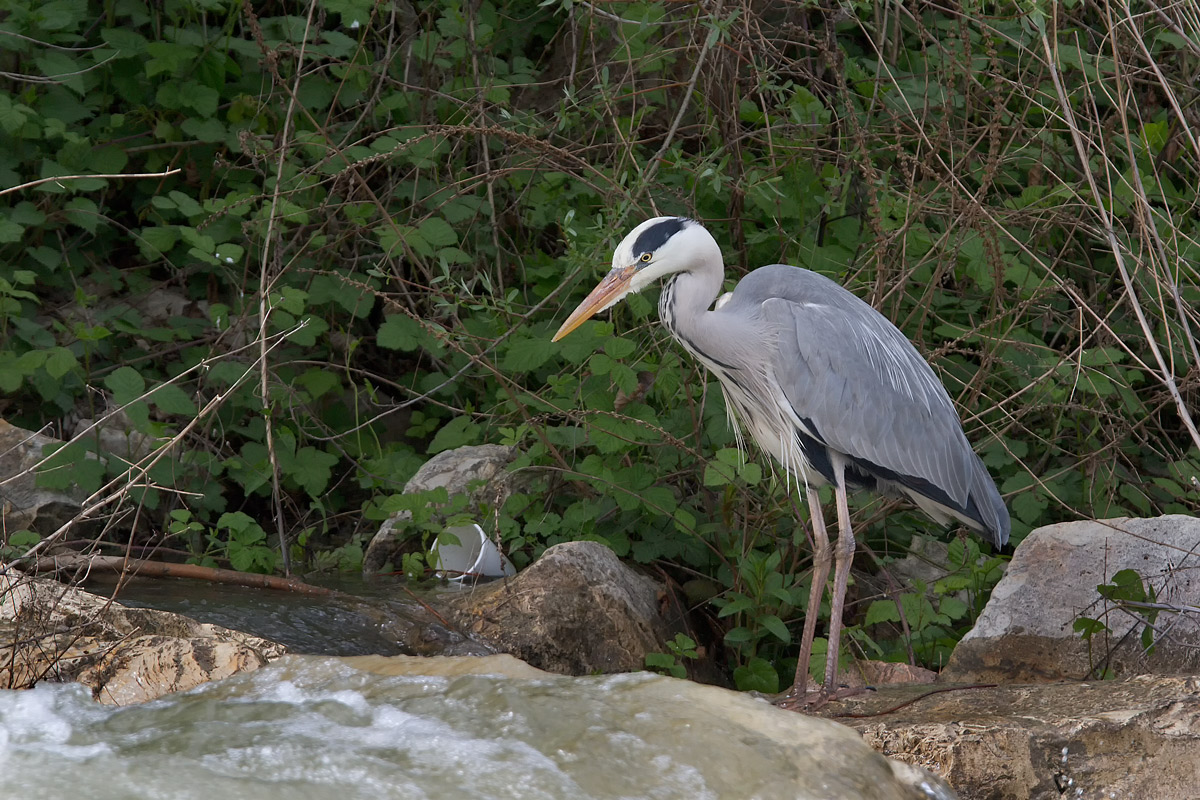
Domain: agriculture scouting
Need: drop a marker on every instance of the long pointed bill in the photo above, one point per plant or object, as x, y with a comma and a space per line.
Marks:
614, 286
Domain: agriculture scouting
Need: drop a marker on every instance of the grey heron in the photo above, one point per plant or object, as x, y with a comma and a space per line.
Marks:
824, 383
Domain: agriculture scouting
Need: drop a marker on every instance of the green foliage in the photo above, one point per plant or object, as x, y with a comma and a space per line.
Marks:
926, 623
17, 543
680, 649
374, 229
1128, 593
241, 541
760, 675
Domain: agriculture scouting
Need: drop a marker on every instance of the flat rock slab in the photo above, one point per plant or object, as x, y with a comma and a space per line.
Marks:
1026, 632
146, 667
49, 631
1130, 738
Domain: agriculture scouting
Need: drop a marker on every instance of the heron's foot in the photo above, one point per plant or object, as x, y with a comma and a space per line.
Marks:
802, 701
811, 700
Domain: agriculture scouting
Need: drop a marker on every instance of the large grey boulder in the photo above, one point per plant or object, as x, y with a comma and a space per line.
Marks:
1026, 632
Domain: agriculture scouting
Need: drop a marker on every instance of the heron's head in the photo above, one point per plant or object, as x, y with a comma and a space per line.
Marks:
652, 250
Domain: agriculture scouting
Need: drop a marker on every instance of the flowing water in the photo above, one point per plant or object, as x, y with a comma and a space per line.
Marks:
316, 727
306, 624
311, 727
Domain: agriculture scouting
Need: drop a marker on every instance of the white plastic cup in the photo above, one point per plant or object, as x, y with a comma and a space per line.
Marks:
475, 556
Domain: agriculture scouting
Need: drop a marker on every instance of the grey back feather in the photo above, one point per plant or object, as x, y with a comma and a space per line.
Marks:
865, 391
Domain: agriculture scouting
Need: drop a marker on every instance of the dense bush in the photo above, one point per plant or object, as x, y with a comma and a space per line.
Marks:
358, 224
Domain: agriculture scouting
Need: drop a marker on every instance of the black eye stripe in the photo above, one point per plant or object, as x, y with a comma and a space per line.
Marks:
657, 235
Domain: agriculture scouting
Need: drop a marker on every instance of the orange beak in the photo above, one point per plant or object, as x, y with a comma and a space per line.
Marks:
614, 286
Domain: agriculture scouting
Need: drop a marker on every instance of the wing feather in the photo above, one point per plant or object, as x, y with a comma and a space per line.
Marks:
863, 390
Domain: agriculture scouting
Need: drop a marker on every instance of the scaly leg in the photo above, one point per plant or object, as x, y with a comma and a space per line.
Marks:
841, 575
822, 558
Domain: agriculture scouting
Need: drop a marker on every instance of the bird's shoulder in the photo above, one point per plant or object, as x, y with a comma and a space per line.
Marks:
791, 284
809, 304
823, 335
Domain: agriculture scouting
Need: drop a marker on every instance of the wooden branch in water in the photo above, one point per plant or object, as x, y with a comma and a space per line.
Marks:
161, 569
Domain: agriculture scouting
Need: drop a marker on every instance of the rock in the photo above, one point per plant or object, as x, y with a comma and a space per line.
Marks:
447, 666
1127, 738
927, 560
577, 610
455, 470
1026, 631
23, 505
117, 435
733, 745
883, 673
146, 667
49, 631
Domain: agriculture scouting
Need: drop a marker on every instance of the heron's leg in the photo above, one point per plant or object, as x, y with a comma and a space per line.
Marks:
822, 557
844, 554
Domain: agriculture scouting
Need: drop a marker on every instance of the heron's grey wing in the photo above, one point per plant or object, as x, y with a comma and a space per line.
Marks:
863, 390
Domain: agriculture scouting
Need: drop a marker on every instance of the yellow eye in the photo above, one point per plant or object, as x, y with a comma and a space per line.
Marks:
646, 257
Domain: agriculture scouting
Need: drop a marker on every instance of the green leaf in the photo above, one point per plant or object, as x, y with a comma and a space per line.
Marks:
953, 608
658, 500
1028, 506
619, 348
736, 606
881, 611
318, 382
437, 232
128, 42
457, 432
206, 130
71, 464
751, 473
10, 231
168, 58
108, 159
717, 473
583, 341
59, 362
666, 664
776, 626
83, 212
739, 635
601, 364
1088, 627
399, 332
1148, 639
757, 675
153, 242
1125, 585
528, 353
126, 384
308, 334
59, 15
11, 375
63, 69
613, 434
171, 399
311, 469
